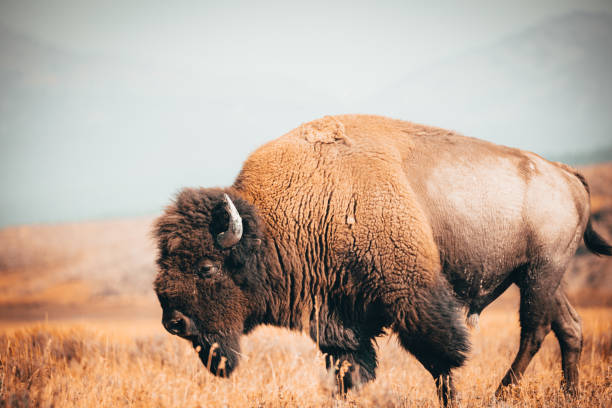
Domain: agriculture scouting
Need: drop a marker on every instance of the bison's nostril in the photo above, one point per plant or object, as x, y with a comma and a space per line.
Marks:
177, 326
177, 323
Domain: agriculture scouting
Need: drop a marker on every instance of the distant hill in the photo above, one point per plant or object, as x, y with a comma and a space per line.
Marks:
590, 276
585, 158
77, 269
554, 78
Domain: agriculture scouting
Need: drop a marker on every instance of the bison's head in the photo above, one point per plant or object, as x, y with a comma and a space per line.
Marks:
206, 249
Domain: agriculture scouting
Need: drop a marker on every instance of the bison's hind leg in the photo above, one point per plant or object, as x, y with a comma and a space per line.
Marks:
544, 306
567, 326
433, 330
535, 317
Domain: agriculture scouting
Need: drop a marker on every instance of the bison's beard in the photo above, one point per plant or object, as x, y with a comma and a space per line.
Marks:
218, 354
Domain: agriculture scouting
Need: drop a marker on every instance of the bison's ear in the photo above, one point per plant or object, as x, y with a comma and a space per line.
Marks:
226, 223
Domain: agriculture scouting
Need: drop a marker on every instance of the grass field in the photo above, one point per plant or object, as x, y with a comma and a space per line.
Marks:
130, 362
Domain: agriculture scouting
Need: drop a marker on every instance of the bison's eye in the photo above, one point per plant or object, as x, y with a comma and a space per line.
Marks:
207, 268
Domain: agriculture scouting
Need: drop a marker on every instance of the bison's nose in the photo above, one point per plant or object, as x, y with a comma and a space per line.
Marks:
177, 323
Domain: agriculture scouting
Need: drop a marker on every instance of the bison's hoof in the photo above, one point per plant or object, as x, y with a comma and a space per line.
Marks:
505, 392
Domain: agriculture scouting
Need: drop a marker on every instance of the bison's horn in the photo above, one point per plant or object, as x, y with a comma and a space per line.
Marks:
233, 234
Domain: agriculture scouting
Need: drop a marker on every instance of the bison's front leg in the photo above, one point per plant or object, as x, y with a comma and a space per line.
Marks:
435, 333
351, 368
435, 361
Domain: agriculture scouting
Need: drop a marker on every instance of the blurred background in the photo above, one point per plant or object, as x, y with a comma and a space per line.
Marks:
108, 108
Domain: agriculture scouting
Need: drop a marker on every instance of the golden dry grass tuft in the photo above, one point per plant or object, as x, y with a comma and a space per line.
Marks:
91, 364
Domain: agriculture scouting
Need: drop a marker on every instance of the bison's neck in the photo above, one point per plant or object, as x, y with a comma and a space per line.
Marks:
285, 296
290, 263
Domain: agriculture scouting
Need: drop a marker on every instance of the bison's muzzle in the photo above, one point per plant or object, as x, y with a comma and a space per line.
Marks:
217, 353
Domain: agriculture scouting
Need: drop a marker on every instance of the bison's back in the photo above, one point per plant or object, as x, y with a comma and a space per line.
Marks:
415, 191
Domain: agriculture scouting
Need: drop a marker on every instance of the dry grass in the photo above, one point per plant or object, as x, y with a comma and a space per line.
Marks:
136, 364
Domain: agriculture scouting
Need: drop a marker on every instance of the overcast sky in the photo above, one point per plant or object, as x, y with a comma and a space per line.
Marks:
108, 108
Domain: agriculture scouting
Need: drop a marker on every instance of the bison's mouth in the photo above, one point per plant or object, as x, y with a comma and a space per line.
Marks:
217, 351
217, 356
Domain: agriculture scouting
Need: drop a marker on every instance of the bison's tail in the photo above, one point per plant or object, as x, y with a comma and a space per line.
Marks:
595, 242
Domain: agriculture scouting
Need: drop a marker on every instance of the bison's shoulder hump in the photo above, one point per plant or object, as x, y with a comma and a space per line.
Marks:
326, 130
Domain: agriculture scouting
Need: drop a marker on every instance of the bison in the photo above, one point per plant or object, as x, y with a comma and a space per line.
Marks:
350, 225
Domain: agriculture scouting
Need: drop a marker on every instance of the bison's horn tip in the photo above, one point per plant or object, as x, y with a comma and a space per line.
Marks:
233, 234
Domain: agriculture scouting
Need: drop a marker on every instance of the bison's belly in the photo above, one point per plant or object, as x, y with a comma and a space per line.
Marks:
477, 263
